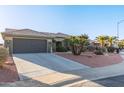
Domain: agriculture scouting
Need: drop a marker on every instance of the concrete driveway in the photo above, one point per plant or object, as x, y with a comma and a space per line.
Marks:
38, 64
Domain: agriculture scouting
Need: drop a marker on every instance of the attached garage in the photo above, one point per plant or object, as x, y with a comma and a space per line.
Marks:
30, 41
29, 45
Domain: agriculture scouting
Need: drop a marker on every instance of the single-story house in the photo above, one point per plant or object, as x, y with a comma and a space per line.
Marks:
30, 41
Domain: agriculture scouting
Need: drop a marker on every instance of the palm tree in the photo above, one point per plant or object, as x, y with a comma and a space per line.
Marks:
121, 43
84, 39
101, 40
111, 39
77, 43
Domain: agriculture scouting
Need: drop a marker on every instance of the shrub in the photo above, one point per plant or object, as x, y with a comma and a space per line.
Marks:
3, 56
111, 49
99, 51
61, 49
91, 48
104, 49
84, 49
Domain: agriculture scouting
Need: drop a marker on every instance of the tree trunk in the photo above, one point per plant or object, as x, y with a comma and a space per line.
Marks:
1, 65
76, 49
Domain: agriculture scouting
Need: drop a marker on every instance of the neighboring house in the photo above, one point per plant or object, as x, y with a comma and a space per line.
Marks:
94, 43
30, 41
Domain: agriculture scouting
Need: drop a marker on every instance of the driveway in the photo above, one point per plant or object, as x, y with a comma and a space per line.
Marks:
117, 81
51, 70
38, 64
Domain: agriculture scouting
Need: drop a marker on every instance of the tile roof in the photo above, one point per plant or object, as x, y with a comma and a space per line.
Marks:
29, 32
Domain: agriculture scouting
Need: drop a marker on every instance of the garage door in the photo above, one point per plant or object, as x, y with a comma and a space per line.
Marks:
29, 45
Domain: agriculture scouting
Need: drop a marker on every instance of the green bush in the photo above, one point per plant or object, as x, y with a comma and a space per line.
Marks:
111, 49
99, 51
91, 48
3, 56
84, 49
61, 49
104, 49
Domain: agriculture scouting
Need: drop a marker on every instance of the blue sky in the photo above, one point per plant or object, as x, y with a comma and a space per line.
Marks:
73, 20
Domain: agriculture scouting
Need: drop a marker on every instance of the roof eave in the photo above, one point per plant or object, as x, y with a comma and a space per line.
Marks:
6, 34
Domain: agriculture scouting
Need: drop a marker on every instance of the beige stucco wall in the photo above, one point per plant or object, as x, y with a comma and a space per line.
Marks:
8, 38
11, 40
50, 44
1, 39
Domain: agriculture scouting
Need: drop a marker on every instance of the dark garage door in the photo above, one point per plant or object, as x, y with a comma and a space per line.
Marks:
29, 45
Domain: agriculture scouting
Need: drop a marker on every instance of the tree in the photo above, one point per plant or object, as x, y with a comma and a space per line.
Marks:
121, 43
111, 39
101, 40
77, 43
106, 39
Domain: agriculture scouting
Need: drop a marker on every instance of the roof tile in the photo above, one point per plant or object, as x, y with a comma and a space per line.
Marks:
29, 32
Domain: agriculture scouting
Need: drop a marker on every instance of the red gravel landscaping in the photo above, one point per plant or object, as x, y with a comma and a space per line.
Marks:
9, 72
93, 60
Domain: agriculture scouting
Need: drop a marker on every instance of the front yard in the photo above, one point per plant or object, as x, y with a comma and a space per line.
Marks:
92, 60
